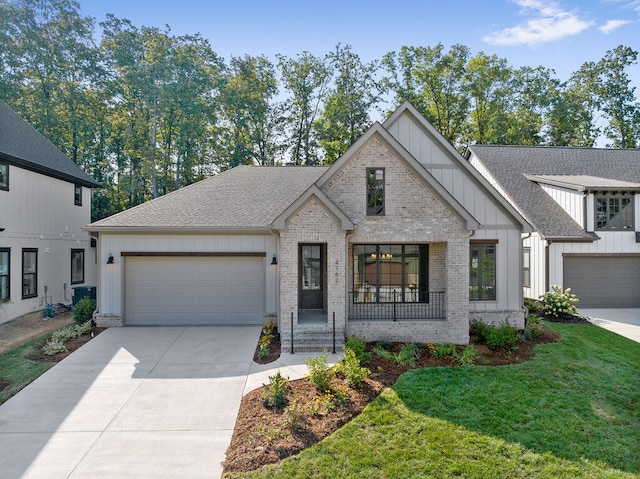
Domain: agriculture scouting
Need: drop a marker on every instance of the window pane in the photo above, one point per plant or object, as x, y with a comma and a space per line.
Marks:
4, 176
29, 273
482, 272
77, 266
311, 268
375, 191
4, 275
390, 273
614, 212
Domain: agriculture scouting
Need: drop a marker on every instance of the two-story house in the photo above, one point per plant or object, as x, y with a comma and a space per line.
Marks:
399, 239
584, 204
45, 200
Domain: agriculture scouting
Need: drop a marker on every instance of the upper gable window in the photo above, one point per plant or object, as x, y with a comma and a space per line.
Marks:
77, 195
4, 175
375, 191
614, 212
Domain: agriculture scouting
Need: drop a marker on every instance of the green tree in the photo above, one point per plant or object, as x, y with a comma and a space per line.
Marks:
306, 78
249, 119
434, 81
346, 110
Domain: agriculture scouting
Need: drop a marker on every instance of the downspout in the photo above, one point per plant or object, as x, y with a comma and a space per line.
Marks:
522, 240
546, 265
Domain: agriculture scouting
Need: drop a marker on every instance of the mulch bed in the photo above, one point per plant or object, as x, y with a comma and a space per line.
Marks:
261, 437
38, 356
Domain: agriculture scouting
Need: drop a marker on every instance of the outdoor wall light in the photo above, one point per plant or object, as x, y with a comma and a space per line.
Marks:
110, 259
274, 260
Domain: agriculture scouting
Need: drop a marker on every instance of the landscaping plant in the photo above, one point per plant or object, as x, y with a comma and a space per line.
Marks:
83, 310
556, 301
357, 345
354, 374
275, 393
469, 356
320, 374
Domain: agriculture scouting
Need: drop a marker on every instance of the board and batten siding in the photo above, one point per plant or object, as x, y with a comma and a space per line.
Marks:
570, 200
39, 212
538, 266
473, 195
610, 242
111, 294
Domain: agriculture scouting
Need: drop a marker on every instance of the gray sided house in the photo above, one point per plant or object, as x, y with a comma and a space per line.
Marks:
45, 201
584, 204
400, 239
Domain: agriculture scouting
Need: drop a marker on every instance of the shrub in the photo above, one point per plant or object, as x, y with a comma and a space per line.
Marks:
53, 347
446, 350
320, 374
63, 335
83, 310
357, 345
556, 301
408, 355
275, 393
531, 304
532, 331
385, 344
383, 353
83, 328
479, 329
533, 319
469, 356
504, 337
293, 415
354, 374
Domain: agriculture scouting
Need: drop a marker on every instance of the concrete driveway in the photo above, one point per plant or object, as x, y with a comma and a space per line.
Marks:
625, 322
136, 402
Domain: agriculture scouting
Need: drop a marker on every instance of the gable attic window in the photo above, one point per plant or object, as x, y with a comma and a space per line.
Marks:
4, 175
77, 194
614, 212
375, 191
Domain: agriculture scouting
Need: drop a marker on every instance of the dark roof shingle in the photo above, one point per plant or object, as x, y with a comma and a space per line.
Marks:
509, 165
24, 146
243, 198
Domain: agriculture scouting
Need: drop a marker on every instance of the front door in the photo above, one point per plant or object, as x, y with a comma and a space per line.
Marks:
312, 269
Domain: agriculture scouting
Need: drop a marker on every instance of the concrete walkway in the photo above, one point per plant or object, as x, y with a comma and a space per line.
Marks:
625, 322
136, 402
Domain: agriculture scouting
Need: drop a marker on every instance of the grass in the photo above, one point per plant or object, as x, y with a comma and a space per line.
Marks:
572, 412
18, 370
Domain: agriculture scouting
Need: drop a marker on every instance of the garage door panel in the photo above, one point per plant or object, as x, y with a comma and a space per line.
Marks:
604, 281
196, 290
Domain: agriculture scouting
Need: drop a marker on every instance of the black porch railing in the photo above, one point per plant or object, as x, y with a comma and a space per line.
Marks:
363, 308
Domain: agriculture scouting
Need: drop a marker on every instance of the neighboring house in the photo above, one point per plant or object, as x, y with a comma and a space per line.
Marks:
400, 239
584, 204
45, 200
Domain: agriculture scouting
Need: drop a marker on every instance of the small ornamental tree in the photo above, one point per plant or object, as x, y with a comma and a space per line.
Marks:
556, 301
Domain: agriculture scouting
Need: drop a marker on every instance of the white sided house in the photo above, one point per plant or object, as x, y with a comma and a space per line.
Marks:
45, 201
400, 239
584, 204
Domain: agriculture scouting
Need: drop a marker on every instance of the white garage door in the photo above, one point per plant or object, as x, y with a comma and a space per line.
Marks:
194, 290
604, 281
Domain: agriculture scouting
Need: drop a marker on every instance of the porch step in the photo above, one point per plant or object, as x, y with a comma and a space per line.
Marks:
305, 340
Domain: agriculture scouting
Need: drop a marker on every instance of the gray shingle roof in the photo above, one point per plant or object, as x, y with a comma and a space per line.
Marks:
243, 198
509, 165
24, 146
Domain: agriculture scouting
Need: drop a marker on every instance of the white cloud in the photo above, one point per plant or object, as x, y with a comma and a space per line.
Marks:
549, 22
612, 25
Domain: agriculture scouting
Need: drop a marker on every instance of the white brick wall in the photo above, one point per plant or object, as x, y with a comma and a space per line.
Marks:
413, 214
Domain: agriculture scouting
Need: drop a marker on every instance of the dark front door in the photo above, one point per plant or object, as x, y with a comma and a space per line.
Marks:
312, 266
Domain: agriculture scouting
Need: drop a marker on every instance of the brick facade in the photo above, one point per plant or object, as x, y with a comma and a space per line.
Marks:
413, 214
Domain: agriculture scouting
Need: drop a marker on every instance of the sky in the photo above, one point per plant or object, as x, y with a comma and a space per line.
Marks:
558, 34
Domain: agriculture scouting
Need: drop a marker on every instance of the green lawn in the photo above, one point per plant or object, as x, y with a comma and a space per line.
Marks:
574, 411
18, 370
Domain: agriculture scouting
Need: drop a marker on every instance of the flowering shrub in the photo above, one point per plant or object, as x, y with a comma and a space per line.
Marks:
268, 335
558, 302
